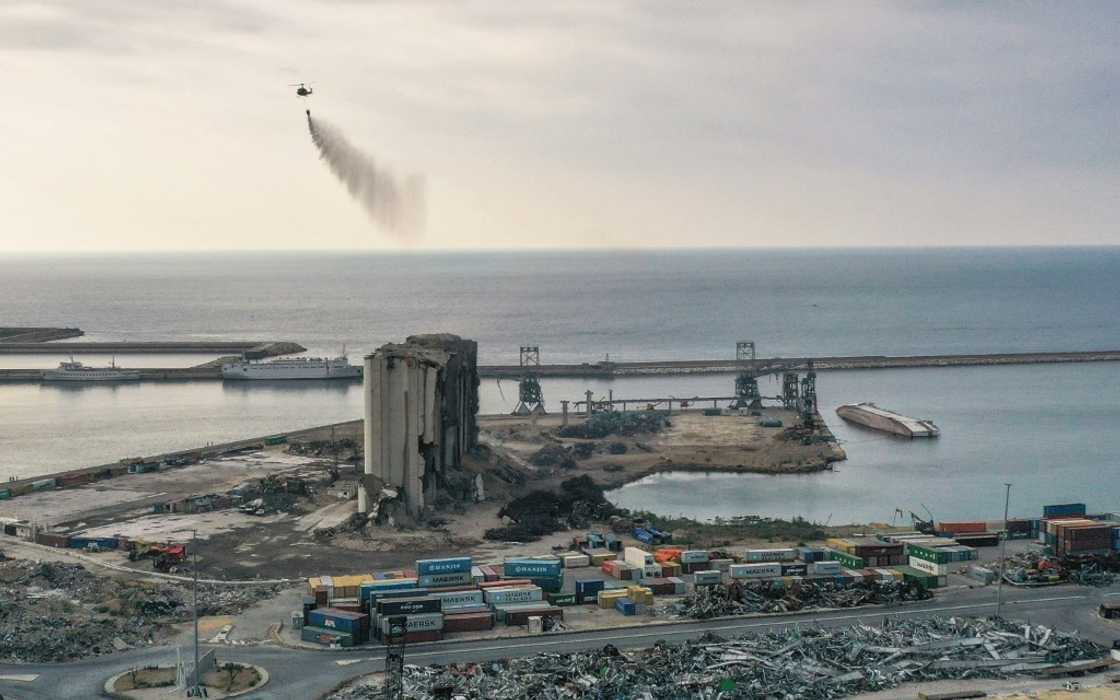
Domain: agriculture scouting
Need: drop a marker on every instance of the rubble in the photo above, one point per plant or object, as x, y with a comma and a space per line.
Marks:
801, 662
539, 513
743, 597
600, 425
1034, 569
51, 612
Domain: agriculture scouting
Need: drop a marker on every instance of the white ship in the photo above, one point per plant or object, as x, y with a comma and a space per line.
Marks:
871, 416
293, 368
77, 372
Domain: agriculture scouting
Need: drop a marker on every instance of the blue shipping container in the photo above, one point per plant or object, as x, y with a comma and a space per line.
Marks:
587, 589
85, 542
353, 623
366, 589
1063, 509
533, 568
453, 565
626, 607
551, 584
644, 536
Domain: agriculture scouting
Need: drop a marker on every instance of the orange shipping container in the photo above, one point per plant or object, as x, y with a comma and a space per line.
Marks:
963, 527
667, 554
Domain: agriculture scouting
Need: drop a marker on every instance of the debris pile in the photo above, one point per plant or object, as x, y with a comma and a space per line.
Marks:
1034, 569
51, 612
740, 598
817, 664
600, 425
552, 455
541, 513
274, 494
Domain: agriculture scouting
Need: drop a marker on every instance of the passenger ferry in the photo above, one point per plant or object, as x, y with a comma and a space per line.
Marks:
293, 368
77, 372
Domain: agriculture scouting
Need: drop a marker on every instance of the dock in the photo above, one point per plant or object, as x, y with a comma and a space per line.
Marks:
613, 370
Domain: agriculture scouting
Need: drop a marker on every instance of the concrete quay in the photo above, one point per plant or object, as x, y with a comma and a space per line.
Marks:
253, 348
610, 370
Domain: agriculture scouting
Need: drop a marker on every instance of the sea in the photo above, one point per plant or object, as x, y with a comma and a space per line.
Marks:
1049, 430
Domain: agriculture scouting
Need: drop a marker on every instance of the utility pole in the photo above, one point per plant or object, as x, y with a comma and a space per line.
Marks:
1003, 551
196, 686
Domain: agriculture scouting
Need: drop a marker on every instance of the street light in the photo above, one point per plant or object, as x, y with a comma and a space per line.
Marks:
1002, 551
195, 691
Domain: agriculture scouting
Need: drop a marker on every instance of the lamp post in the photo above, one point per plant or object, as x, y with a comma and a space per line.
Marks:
1002, 551
196, 685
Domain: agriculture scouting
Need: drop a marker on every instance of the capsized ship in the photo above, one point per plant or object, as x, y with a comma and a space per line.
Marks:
871, 416
293, 368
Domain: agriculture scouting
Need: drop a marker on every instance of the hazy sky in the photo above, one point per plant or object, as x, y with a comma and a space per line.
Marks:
170, 125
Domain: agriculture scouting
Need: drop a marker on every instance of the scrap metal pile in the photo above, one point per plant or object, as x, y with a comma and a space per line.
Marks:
740, 598
58, 612
815, 664
1034, 569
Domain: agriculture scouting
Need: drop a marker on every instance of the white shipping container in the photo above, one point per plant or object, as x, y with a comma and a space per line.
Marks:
706, 577
825, 567
764, 555
523, 594
574, 561
423, 622
694, 556
766, 570
459, 599
651, 571
637, 557
929, 567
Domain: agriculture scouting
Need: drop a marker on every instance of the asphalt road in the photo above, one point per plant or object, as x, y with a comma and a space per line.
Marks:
305, 674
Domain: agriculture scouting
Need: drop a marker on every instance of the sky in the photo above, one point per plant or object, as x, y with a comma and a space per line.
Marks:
172, 126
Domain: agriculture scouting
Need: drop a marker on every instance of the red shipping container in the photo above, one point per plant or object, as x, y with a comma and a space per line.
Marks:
521, 617
52, 540
963, 527
506, 583
468, 622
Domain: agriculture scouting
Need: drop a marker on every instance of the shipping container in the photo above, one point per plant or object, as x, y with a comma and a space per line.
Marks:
795, 569
824, 568
459, 599
961, 528
424, 622
695, 556
1063, 509
102, 543
635, 556
562, 599
5, 494
707, 578
444, 580
722, 565
984, 539
450, 565
520, 618
325, 636
929, 567
502, 596
354, 624
850, 561
551, 584
574, 561
625, 606
981, 573
468, 622
644, 536
811, 554
532, 568
768, 570
408, 606
613, 542
368, 588
766, 555
587, 589
42, 484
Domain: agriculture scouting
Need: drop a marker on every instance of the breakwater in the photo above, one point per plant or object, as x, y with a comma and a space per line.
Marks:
252, 348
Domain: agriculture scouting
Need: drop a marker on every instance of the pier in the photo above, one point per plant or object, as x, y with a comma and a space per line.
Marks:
613, 370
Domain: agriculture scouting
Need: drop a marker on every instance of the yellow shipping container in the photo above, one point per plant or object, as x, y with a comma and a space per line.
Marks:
607, 599
640, 595
840, 543
339, 586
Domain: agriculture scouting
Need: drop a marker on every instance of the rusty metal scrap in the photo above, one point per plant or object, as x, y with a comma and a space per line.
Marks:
811, 663
743, 597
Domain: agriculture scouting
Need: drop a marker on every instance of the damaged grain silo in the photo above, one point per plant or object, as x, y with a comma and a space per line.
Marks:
421, 404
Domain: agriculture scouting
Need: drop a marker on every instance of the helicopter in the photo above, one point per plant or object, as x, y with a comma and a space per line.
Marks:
301, 90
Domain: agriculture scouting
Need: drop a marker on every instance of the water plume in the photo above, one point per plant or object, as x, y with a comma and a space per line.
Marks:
395, 204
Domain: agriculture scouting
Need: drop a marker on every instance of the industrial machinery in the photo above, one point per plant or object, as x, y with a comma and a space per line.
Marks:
394, 658
530, 398
747, 394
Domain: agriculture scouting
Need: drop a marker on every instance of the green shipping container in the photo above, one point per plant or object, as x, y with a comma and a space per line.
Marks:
850, 561
923, 579
562, 599
5, 494
933, 556
276, 440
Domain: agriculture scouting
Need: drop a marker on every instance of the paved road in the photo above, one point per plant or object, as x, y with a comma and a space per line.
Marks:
304, 674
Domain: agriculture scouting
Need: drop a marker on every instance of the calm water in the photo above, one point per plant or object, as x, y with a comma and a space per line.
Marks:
1053, 425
